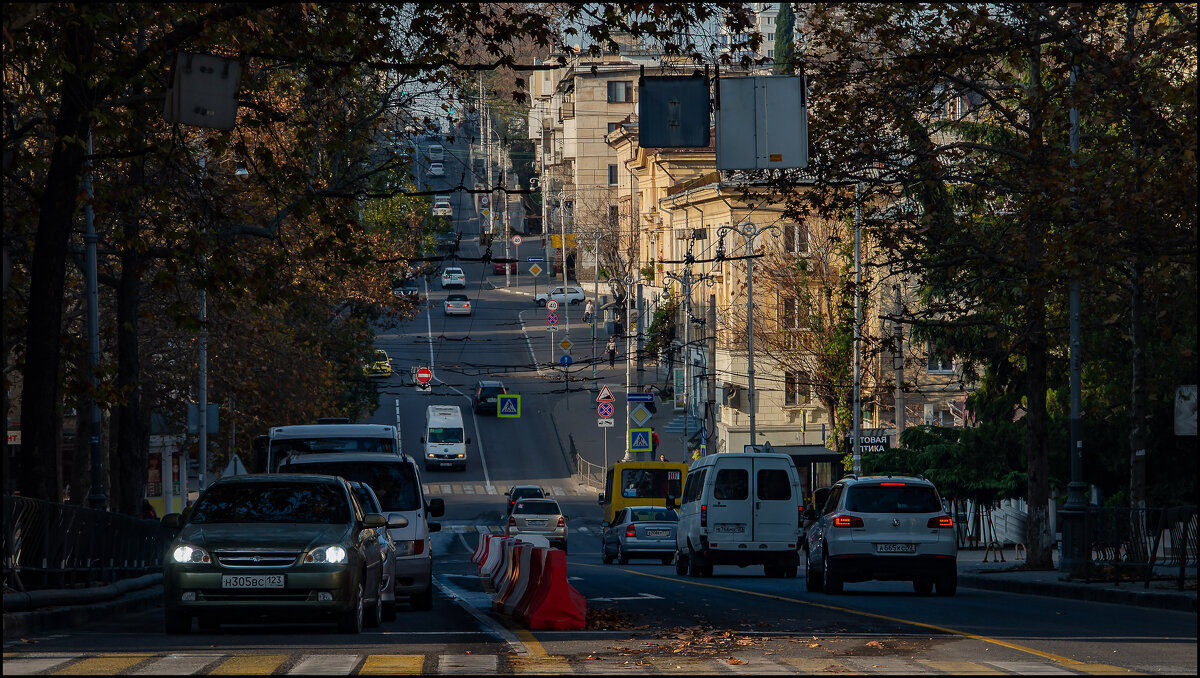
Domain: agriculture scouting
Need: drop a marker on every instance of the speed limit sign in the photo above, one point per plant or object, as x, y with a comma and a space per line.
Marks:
552, 305
516, 240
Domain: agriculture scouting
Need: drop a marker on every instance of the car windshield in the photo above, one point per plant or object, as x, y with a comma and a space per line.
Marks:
395, 484
281, 449
899, 498
445, 435
380, 357
666, 515
650, 483
456, 297
488, 391
537, 508
272, 502
525, 492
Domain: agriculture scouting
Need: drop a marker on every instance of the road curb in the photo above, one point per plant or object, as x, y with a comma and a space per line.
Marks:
20, 624
1090, 593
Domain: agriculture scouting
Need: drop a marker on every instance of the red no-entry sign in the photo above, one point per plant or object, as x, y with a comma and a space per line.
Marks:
424, 375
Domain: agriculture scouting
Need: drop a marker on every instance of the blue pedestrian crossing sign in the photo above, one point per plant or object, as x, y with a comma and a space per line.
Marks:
640, 440
508, 406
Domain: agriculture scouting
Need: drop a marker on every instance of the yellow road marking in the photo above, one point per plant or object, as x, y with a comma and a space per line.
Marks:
535, 648
254, 664
540, 665
105, 664
390, 664
960, 668
1067, 661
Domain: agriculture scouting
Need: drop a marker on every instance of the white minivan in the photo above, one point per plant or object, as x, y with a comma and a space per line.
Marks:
739, 509
444, 440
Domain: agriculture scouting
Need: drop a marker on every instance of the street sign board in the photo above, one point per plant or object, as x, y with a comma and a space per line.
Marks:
604, 423
566, 360
640, 440
640, 397
552, 318
566, 344
639, 415
424, 375
551, 305
539, 259
508, 406
516, 240
535, 269
483, 200
605, 395
605, 410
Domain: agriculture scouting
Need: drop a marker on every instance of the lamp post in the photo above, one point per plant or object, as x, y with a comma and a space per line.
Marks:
627, 281
748, 231
686, 281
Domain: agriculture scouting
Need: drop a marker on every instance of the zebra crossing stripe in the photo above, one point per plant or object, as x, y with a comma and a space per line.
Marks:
886, 666
687, 665
392, 664
960, 668
250, 665
467, 664
177, 664
22, 665
326, 665
1031, 668
811, 665
105, 664
1105, 670
540, 665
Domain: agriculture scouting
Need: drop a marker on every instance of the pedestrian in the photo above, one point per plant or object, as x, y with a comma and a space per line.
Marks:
696, 454
588, 308
612, 351
653, 440
662, 457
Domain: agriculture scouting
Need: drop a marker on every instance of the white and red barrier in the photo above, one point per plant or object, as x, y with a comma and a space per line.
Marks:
553, 603
508, 582
529, 566
494, 554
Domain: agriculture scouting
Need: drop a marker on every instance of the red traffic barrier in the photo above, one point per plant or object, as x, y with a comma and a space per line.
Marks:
533, 577
480, 548
495, 551
524, 574
508, 583
557, 605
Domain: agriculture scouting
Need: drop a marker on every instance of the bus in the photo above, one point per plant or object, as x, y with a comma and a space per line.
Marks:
641, 483
436, 153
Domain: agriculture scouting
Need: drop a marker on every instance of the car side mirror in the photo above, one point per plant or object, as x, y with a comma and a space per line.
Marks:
672, 501
437, 507
172, 520
435, 527
468, 441
373, 520
396, 520
422, 440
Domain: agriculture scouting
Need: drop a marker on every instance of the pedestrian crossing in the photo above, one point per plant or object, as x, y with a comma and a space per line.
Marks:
443, 489
344, 664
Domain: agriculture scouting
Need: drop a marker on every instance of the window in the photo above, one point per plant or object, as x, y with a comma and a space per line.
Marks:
694, 485
612, 175
612, 126
614, 216
732, 483
773, 485
620, 91
939, 360
771, 53
834, 496
797, 388
795, 238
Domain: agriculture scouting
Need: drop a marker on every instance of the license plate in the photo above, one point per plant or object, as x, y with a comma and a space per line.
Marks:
731, 529
895, 548
252, 581
537, 523
657, 533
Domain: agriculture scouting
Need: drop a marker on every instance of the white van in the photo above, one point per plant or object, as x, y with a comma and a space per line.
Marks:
445, 438
739, 509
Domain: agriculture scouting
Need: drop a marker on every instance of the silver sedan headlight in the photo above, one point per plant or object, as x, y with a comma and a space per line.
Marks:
332, 554
185, 553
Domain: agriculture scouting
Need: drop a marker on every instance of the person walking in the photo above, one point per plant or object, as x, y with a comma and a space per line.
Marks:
696, 454
612, 351
588, 308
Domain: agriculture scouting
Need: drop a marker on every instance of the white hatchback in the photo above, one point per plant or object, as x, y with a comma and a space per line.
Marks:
882, 528
453, 277
563, 295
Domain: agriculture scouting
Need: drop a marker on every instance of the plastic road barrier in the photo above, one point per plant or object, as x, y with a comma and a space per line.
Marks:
556, 605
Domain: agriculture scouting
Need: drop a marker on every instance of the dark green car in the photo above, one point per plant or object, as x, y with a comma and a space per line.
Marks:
290, 547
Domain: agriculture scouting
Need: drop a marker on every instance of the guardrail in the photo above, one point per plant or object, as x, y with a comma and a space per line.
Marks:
1136, 541
49, 545
584, 471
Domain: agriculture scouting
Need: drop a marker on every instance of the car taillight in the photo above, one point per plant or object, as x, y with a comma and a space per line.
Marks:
940, 521
418, 547
512, 521
562, 522
800, 516
704, 515
630, 532
467, 304
848, 521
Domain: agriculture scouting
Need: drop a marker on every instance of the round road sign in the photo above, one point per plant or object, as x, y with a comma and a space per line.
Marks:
552, 305
516, 240
605, 410
483, 200
552, 318
424, 375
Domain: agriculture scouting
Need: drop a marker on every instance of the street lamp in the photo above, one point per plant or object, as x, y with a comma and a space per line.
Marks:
686, 281
627, 281
748, 231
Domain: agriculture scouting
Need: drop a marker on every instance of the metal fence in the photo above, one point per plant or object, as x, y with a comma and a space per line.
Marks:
1132, 544
583, 471
49, 545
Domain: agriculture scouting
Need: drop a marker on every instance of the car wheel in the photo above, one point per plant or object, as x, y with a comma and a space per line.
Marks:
374, 616
423, 600
923, 586
622, 557
695, 568
604, 557
389, 611
176, 623
681, 565
541, 302
351, 620
813, 581
833, 582
947, 585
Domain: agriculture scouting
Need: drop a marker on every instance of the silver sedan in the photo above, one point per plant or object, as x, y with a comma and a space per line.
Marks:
458, 304
640, 532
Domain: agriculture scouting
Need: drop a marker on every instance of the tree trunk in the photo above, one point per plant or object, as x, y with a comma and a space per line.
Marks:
1137, 391
41, 414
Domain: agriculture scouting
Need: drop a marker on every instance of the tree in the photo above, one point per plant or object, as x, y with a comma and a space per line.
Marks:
785, 27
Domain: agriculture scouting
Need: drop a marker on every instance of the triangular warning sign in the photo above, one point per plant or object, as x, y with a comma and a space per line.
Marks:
508, 406
605, 396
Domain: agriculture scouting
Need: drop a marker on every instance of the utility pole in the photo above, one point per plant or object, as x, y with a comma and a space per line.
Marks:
857, 327
711, 320
898, 364
96, 498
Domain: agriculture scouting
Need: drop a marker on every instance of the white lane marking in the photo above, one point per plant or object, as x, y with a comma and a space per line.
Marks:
469, 664
176, 664
473, 602
326, 664
24, 666
640, 596
1031, 668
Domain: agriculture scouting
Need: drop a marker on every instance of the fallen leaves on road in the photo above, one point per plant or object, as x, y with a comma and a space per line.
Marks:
875, 643
607, 619
735, 661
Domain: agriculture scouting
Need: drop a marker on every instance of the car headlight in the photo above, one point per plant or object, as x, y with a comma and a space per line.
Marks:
462, 456
190, 554
430, 455
333, 554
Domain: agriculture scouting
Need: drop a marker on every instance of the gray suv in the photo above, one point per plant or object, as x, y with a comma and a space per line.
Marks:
882, 528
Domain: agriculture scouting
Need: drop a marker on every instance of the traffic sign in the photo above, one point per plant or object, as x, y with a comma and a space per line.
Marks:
640, 397
552, 318
566, 360
508, 406
535, 269
604, 423
605, 410
535, 258
640, 440
424, 375
639, 414
605, 395
551, 305
566, 344
516, 240
483, 200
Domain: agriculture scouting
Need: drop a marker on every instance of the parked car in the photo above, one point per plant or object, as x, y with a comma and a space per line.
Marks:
387, 548
378, 365
518, 492
437, 169
484, 399
409, 290
883, 528
441, 205
563, 295
640, 532
274, 546
499, 266
453, 276
458, 304
541, 517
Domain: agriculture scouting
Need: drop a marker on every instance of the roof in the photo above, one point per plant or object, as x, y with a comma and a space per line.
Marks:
326, 457
333, 431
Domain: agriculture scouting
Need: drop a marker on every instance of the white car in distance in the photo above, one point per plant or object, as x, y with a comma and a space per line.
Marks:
441, 205
563, 295
453, 277
437, 169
